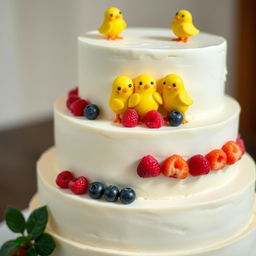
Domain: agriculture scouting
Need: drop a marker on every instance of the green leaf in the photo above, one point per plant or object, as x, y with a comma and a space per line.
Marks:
9, 248
22, 240
31, 252
44, 245
37, 221
15, 220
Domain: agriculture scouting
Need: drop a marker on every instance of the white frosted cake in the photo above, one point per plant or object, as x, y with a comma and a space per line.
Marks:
200, 215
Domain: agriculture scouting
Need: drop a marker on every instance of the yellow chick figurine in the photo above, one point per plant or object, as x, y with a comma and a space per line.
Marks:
182, 26
113, 24
175, 96
122, 89
145, 98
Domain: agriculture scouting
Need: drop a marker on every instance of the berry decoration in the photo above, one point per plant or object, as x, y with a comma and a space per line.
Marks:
217, 159
64, 178
96, 190
154, 119
176, 167
130, 118
77, 107
175, 118
91, 111
79, 185
71, 99
198, 165
73, 92
233, 152
111, 193
127, 195
148, 167
240, 143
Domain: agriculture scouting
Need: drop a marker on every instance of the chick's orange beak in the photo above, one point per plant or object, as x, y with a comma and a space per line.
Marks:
146, 86
177, 17
118, 16
124, 90
117, 92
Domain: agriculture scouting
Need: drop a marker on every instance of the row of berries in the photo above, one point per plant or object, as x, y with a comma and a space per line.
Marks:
81, 107
153, 119
96, 190
176, 167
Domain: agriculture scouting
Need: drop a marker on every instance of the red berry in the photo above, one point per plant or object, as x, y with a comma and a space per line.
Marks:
130, 118
21, 252
217, 159
71, 99
176, 167
148, 167
73, 92
198, 165
233, 152
240, 143
64, 178
77, 107
79, 185
154, 119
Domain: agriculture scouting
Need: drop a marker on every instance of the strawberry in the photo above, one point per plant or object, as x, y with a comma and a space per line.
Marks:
233, 152
130, 118
148, 167
217, 159
154, 119
176, 167
73, 92
77, 107
64, 178
79, 185
198, 165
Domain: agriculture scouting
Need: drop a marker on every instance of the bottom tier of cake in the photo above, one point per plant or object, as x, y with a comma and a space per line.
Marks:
242, 244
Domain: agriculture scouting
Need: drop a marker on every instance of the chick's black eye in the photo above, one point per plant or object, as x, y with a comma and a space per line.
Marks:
182, 15
152, 82
120, 12
177, 13
174, 85
111, 15
141, 83
164, 83
130, 85
119, 88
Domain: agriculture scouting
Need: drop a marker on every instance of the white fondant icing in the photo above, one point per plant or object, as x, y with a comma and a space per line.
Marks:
179, 226
110, 153
201, 63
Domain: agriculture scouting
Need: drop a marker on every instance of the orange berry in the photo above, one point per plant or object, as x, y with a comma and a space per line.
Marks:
176, 167
233, 152
217, 159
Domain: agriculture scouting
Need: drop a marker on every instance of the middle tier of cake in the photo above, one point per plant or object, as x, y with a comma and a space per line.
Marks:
110, 153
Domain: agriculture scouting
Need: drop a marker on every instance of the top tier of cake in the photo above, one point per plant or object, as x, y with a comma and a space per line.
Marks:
201, 63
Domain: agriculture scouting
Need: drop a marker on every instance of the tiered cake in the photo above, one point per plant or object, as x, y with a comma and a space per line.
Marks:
207, 215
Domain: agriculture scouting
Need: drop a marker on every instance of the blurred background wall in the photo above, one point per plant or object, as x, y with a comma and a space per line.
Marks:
38, 45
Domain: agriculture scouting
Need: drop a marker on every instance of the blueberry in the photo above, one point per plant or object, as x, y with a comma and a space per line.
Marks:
127, 195
111, 193
175, 118
91, 111
96, 190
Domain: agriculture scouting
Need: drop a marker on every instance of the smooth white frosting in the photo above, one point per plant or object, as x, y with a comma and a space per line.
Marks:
103, 151
201, 63
151, 227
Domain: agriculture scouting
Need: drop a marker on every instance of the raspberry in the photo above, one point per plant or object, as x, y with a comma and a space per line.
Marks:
77, 107
130, 118
198, 165
217, 159
240, 143
148, 167
154, 119
233, 152
64, 178
79, 185
70, 100
73, 92
176, 167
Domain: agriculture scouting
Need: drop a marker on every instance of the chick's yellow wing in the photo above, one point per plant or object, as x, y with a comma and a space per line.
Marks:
105, 27
185, 99
190, 29
158, 98
134, 100
116, 105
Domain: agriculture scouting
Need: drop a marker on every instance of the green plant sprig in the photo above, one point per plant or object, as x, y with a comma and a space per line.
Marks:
32, 237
